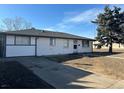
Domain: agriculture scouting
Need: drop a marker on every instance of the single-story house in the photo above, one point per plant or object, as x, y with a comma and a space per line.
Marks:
97, 44
34, 42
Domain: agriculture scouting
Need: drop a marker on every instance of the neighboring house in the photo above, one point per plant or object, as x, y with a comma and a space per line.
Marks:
96, 44
33, 42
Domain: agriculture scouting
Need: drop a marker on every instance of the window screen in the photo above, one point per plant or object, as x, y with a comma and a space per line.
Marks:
22, 40
66, 43
85, 43
52, 41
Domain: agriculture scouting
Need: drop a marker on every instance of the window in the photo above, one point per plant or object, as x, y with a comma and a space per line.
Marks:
85, 43
22, 40
52, 41
66, 43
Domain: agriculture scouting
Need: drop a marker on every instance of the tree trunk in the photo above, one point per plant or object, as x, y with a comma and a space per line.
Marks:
110, 48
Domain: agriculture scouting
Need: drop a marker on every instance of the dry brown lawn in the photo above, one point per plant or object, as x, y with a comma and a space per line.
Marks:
97, 63
113, 68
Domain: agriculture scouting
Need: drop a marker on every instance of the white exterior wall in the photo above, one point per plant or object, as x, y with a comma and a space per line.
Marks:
32, 40
43, 47
16, 50
20, 51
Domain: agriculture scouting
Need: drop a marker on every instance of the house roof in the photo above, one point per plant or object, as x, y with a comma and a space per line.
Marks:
44, 33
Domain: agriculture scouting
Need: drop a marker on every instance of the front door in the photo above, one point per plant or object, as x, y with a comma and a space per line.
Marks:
75, 46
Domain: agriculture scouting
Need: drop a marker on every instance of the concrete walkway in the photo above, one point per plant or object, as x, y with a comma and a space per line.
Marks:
62, 76
115, 57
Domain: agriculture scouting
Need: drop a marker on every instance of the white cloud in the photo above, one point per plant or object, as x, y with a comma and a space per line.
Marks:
73, 19
76, 18
85, 16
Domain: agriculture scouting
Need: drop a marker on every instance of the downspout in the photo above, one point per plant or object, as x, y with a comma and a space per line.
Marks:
92, 46
3, 47
35, 46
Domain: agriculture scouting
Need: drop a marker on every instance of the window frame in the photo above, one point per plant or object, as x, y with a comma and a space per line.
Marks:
29, 40
53, 43
85, 43
88, 43
67, 43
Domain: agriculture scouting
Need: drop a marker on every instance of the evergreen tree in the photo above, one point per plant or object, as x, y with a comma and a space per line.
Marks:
110, 27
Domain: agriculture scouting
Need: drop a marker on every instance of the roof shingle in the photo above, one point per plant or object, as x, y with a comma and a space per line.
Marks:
44, 33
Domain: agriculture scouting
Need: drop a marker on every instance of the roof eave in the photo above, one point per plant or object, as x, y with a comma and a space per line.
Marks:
46, 36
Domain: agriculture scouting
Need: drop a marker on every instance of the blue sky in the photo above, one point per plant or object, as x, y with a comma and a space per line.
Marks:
75, 19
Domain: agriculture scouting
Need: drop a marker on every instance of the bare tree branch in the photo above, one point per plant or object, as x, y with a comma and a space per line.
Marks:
16, 23
8, 23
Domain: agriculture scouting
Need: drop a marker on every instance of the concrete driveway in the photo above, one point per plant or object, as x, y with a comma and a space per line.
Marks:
62, 76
